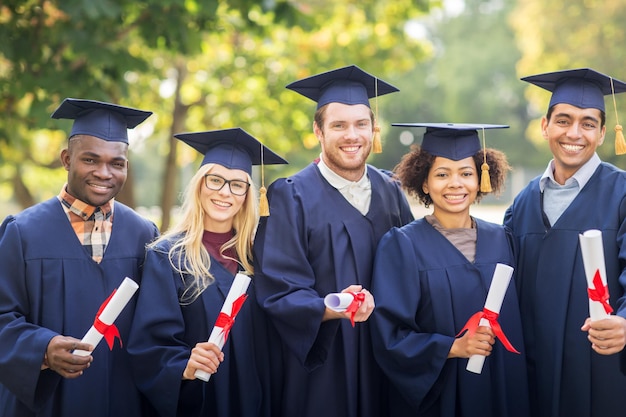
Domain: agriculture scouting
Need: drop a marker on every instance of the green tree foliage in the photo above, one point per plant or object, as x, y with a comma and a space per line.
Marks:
559, 35
471, 78
239, 78
198, 65
82, 48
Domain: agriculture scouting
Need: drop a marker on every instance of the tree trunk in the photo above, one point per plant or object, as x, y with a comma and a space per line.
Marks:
22, 195
170, 172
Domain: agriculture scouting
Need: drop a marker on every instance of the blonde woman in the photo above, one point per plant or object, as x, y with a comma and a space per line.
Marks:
188, 273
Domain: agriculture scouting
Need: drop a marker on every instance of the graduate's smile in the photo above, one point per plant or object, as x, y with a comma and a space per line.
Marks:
350, 149
455, 198
570, 148
100, 187
221, 203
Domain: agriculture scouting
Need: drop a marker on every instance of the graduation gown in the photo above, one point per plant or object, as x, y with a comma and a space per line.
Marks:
51, 286
567, 377
426, 290
315, 243
164, 332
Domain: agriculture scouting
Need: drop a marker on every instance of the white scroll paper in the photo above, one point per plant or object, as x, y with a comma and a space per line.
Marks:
338, 301
109, 314
495, 297
593, 261
217, 337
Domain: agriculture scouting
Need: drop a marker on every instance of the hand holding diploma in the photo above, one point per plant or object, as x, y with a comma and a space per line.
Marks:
59, 356
353, 301
226, 319
107, 314
606, 332
489, 316
595, 271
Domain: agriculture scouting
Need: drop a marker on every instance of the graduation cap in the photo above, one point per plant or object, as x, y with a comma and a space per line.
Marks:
348, 85
456, 141
584, 88
234, 149
103, 120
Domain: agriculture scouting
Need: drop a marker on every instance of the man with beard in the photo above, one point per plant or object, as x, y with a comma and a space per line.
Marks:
321, 238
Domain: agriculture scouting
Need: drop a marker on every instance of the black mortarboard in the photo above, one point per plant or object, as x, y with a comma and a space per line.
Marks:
454, 141
103, 120
232, 148
584, 87
347, 85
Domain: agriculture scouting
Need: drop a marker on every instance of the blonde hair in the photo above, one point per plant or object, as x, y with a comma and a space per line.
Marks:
188, 256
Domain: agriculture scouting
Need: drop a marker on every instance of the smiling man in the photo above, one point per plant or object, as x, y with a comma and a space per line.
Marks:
59, 261
573, 363
321, 238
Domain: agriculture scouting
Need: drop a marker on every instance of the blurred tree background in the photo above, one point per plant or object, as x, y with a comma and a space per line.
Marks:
212, 64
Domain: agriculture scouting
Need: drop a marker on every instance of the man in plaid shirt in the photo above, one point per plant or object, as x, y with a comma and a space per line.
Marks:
59, 261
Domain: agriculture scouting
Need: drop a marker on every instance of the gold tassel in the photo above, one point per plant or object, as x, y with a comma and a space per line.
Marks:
620, 143
264, 206
377, 146
485, 181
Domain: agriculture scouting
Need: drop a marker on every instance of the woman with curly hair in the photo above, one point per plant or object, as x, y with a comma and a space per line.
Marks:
188, 272
433, 274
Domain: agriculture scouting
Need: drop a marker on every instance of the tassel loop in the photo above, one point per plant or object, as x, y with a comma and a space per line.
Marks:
264, 206
377, 146
620, 143
485, 181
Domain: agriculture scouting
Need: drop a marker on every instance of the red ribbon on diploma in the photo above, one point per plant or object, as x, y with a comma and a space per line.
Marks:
600, 292
225, 321
109, 331
359, 297
492, 317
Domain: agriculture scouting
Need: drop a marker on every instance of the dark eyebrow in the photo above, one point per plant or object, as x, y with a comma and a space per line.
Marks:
94, 155
593, 119
569, 116
566, 115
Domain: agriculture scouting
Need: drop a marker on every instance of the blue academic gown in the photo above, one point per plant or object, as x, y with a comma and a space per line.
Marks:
164, 332
51, 286
567, 377
315, 243
426, 290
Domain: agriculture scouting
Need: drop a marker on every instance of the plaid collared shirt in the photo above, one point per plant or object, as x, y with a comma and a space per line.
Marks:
92, 225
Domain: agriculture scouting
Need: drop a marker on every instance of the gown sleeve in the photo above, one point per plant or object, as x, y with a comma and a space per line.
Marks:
22, 343
411, 358
286, 280
156, 343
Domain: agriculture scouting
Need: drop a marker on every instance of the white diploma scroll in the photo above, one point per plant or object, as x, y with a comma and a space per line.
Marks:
593, 260
109, 314
499, 284
217, 337
338, 301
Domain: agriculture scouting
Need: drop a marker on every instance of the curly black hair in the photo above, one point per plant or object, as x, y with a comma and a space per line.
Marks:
413, 169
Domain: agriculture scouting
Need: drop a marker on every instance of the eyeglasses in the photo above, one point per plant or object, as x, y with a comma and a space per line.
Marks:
215, 182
